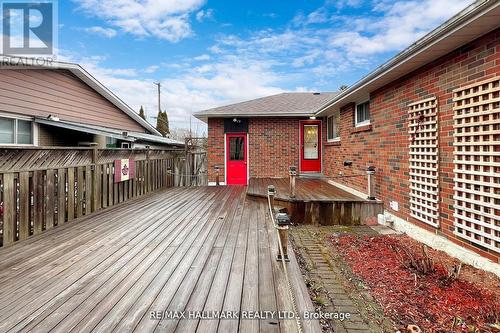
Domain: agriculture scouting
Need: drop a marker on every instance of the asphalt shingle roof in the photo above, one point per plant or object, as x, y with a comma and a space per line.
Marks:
282, 104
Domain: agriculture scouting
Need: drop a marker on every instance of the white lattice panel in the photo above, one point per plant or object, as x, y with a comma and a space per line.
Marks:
477, 163
424, 160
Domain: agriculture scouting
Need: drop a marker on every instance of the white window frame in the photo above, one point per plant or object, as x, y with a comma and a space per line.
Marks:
34, 131
337, 138
365, 122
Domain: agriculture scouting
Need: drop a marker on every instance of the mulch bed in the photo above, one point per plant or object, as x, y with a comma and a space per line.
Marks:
432, 301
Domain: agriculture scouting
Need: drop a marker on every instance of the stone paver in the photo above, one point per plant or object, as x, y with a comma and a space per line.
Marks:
326, 272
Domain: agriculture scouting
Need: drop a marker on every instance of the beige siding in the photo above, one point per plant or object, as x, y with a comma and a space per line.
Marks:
40, 92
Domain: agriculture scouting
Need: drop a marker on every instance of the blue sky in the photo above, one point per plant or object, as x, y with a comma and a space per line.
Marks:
209, 53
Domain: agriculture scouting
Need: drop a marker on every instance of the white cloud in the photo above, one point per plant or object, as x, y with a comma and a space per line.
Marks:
197, 88
204, 15
400, 24
151, 69
167, 20
300, 57
106, 32
202, 57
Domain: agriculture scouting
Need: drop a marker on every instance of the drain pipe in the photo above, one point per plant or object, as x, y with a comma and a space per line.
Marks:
370, 172
293, 174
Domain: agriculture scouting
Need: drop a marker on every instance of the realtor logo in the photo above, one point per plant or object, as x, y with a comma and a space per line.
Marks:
29, 27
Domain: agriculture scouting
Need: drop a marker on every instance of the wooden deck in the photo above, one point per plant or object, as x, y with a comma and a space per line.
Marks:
307, 189
185, 249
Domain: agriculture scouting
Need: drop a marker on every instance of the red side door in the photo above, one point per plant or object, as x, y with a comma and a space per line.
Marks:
310, 143
236, 159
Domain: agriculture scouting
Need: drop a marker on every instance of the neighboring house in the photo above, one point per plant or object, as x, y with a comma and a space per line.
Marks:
61, 104
428, 120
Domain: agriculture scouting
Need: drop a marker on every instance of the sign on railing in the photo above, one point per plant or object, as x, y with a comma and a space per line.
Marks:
124, 170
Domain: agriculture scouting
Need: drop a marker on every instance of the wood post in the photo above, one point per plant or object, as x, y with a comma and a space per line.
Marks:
217, 174
293, 176
271, 192
147, 172
71, 193
95, 183
24, 205
61, 197
283, 234
37, 202
49, 200
9, 209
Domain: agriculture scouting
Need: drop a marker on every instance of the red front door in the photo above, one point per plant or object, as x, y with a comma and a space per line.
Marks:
236, 159
310, 143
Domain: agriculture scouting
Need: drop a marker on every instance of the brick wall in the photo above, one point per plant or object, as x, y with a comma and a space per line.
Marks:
274, 146
215, 148
385, 143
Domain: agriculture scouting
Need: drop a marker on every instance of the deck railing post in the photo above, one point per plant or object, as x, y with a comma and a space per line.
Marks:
93, 198
271, 192
293, 175
217, 171
147, 171
371, 182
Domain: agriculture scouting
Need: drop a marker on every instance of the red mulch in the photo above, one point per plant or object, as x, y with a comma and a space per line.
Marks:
429, 301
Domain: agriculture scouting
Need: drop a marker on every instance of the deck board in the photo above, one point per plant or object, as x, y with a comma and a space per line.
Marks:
306, 189
207, 248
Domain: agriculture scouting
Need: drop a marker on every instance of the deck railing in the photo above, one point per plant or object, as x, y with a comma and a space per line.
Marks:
45, 187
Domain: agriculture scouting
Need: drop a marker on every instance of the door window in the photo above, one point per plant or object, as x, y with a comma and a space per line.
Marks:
236, 149
311, 147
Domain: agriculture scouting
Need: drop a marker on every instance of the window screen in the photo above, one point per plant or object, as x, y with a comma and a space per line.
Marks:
6, 130
363, 113
24, 129
333, 126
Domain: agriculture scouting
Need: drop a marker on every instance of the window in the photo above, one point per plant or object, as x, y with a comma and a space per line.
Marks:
6, 130
311, 139
16, 131
24, 132
111, 142
333, 127
236, 149
362, 114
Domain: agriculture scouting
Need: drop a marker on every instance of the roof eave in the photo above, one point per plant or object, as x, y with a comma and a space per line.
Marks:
458, 21
86, 77
205, 116
110, 96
